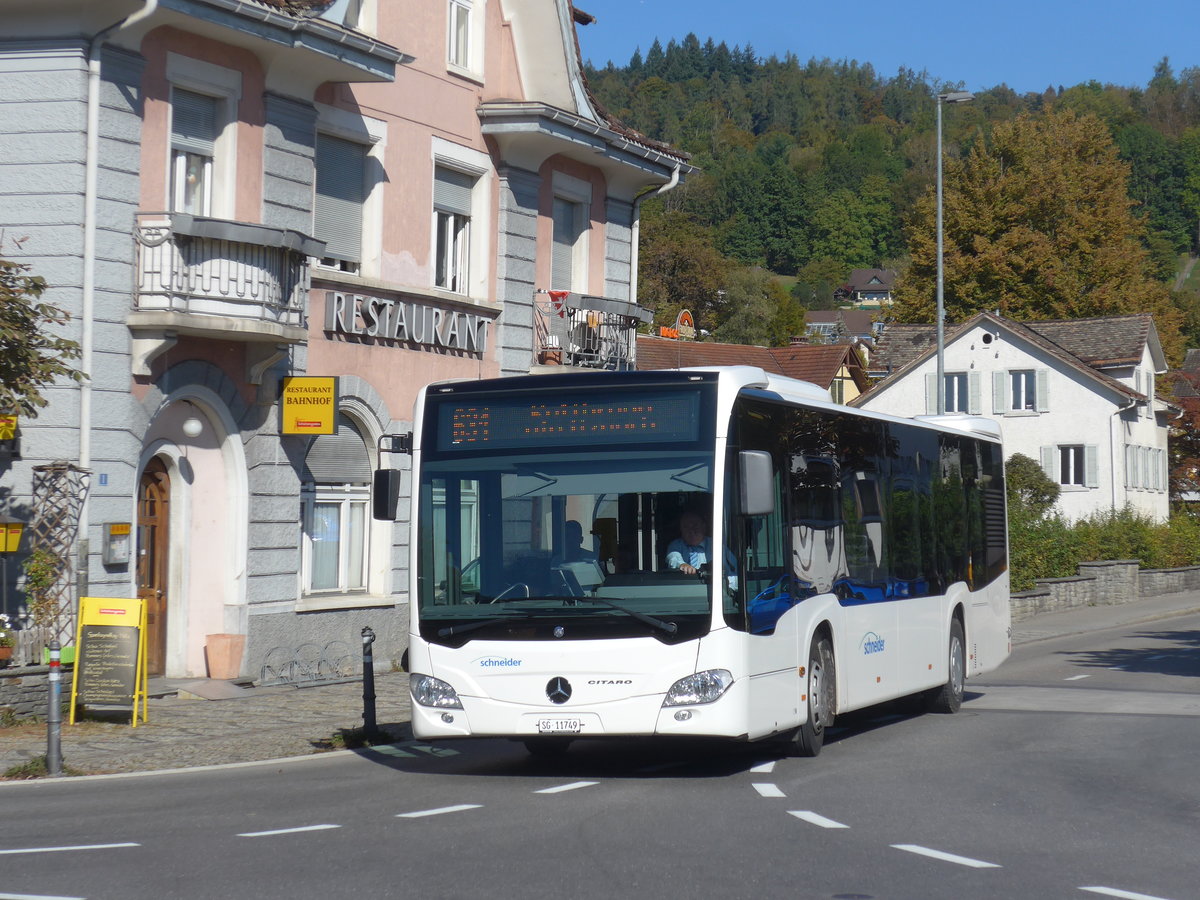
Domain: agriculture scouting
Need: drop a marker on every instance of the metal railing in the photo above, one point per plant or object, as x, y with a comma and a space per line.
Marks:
586, 332
213, 267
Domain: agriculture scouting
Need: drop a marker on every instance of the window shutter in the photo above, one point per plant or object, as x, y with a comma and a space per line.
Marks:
930, 393
193, 122
974, 394
341, 189
1129, 474
999, 382
339, 458
452, 191
566, 236
1048, 464
1043, 380
1090, 466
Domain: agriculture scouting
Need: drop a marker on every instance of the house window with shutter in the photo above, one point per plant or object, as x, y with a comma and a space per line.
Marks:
195, 126
341, 167
957, 395
452, 191
336, 519
1072, 465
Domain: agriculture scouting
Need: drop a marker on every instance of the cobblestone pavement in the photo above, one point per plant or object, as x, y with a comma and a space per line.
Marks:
259, 723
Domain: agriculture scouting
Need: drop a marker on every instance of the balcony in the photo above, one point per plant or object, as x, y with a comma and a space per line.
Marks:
585, 332
217, 279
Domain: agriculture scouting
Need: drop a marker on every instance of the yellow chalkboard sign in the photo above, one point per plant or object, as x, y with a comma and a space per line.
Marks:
110, 655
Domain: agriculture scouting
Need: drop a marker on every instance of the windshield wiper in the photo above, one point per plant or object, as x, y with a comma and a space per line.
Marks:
653, 622
464, 627
572, 599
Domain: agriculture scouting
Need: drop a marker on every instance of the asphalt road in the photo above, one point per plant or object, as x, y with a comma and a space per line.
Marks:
1070, 772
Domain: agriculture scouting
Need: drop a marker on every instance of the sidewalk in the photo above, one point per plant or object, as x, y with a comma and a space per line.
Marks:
259, 723
183, 731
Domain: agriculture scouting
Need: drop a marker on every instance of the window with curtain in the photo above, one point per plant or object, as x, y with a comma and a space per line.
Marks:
195, 124
341, 168
335, 513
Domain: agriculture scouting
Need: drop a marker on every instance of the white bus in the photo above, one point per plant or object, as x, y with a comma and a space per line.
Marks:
863, 557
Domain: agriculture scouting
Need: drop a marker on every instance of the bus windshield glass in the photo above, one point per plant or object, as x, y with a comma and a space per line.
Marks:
551, 520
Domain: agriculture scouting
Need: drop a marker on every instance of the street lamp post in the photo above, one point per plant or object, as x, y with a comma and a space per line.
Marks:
949, 97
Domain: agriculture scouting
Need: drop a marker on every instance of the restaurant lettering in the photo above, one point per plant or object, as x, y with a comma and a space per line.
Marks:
399, 321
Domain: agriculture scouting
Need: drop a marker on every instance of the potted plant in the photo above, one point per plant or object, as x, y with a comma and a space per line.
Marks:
42, 570
8, 639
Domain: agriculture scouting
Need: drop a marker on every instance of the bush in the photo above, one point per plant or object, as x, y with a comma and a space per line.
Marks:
1053, 548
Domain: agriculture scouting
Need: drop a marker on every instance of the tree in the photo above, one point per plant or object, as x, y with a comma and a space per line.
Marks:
679, 268
1038, 225
1031, 492
31, 355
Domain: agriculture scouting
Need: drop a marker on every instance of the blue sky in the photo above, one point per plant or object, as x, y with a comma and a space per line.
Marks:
1025, 44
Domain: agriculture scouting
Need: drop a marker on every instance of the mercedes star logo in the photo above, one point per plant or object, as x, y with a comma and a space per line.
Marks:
558, 690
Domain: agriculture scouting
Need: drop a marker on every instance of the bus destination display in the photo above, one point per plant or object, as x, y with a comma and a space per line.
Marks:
634, 418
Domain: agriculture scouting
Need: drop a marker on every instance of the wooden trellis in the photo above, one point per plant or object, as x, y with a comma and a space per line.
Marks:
59, 491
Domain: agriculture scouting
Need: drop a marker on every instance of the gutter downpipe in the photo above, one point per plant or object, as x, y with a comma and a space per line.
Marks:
1112, 444
87, 310
636, 229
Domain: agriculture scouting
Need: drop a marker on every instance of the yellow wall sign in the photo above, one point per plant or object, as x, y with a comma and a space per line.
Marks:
8, 428
309, 404
110, 655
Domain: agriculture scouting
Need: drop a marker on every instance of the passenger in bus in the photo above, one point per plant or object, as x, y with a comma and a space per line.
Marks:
573, 549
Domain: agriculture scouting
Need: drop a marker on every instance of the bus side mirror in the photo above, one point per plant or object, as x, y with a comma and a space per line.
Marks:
756, 483
385, 494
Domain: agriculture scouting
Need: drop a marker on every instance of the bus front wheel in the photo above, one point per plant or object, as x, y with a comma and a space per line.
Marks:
821, 691
948, 698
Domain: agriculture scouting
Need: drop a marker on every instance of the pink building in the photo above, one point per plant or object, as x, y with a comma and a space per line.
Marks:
383, 193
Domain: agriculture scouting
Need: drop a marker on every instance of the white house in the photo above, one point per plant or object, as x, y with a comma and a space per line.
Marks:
1076, 395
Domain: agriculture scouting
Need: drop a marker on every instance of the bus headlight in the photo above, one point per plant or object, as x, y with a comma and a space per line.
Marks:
703, 687
429, 691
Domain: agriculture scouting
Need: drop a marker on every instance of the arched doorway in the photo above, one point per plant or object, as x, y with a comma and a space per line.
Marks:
153, 509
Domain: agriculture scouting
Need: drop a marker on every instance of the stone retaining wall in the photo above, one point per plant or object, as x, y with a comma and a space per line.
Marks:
1106, 583
23, 690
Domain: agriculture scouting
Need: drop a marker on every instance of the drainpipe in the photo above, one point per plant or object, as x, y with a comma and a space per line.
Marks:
91, 167
636, 229
1112, 451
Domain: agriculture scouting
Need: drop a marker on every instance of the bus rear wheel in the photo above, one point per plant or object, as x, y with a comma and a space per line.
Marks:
821, 690
948, 698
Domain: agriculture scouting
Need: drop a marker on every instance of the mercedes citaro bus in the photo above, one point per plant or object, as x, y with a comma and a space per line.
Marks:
850, 557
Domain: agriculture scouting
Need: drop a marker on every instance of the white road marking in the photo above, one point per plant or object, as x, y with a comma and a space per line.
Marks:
288, 830
1078, 677
814, 819
765, 768
438, 812
1125, 895
946, 857
769, 790
566, 787
64, 849
36, 897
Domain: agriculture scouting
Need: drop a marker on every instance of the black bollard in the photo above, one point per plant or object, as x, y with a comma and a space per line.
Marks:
369, 726
54, 712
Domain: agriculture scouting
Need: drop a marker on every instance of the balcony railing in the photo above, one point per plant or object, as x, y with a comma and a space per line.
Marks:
587, 332
215, 268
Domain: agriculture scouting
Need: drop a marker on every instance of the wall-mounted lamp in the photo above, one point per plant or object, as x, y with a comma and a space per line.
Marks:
192, 425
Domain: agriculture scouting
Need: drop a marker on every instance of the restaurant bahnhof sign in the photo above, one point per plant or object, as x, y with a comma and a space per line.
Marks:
309, 404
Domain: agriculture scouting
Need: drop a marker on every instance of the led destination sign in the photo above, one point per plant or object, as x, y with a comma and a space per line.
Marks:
504, 422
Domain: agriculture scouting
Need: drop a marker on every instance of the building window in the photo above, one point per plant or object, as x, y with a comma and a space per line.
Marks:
452, 191
567, 263
464, 37
195, 126
1024, 389
336, 521
837, 390
338, 205
1070, 465
957, 397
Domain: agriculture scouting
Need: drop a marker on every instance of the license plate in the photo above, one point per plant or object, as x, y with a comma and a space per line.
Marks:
559, 726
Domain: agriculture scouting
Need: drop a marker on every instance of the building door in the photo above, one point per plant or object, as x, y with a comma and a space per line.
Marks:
154, 494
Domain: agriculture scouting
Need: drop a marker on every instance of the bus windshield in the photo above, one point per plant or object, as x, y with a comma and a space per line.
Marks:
563, 537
